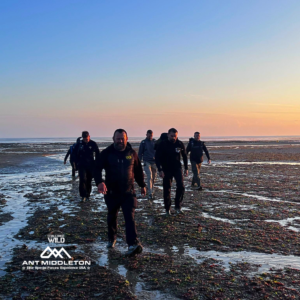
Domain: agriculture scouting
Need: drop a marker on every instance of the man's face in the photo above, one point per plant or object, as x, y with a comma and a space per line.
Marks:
149, 136
120, 141
197, 136
172, 136
86, 139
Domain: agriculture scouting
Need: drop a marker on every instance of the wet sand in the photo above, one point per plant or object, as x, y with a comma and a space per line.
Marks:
18, 153
239, 237
12, 159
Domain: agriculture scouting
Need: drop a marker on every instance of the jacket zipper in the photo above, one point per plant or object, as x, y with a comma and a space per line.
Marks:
123, 183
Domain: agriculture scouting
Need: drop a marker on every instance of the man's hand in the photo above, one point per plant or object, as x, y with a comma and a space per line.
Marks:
209, 161
65, 162
161, 174
102, 189
143, 191
186, 173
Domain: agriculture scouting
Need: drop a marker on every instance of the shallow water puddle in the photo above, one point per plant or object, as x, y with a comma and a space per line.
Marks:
266, 261
262, 198
285, 223
256, 163
14, 188
100, 254
206, 215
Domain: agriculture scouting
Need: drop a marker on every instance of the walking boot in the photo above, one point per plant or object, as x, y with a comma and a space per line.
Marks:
134, 250
111, 244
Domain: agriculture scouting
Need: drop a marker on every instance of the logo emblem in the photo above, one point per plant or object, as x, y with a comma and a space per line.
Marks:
129, 157
56, 237
54, 252
178, 150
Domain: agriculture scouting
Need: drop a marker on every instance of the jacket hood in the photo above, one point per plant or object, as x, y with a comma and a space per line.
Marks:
164, 136
193, 140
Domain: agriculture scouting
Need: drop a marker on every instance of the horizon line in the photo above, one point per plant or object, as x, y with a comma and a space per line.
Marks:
208, 136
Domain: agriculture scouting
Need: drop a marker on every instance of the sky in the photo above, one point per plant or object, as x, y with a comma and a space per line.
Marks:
224, 68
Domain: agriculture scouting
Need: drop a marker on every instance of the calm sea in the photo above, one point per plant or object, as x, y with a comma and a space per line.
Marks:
138, 139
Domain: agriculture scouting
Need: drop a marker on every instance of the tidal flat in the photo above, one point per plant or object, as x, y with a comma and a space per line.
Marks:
238, 239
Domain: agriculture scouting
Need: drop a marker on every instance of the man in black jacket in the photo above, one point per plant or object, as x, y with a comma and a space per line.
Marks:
69, 153
84, 155
163, 137
196, 147
168, 156
122, 166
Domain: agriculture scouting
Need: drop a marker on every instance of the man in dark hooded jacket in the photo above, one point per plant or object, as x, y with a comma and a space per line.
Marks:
196, 147
122, 167
168, 161
69, 153
84, 155
163, 137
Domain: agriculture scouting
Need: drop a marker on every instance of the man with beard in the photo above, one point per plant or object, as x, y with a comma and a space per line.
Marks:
168, 157
84, 155
147, 154
196, 147
122, 166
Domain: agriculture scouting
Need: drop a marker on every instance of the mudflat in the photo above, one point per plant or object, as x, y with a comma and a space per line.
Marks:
238, 239
14, 154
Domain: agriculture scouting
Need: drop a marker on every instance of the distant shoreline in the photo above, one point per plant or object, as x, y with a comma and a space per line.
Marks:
294, 138
16, 153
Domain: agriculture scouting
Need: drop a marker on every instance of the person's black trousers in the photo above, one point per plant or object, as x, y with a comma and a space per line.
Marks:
196, 173
85, 181
128, 202
167, 183
73, 169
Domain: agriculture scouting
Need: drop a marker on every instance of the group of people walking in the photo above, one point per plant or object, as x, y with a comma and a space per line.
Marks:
123, 166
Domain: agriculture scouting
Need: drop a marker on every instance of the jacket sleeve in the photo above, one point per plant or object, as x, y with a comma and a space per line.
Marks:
206, 151
154, 147
141, 151
138, 171
156, 144
188, 148
99, 166
67, 155
74, 153
97, 150
158, 156
184, 157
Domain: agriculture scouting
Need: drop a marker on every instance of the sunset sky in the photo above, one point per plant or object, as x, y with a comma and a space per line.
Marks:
224, 68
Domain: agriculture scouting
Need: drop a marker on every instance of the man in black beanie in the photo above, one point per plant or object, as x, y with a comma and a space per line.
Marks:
84, 156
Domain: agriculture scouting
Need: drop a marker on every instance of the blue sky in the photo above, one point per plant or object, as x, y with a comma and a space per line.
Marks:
67, 66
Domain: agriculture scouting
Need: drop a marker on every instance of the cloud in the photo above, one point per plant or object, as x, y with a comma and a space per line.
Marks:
274, 104
276, 112
198, 96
